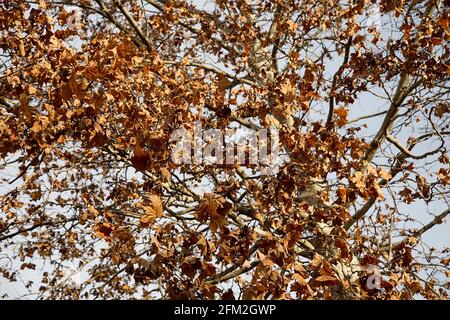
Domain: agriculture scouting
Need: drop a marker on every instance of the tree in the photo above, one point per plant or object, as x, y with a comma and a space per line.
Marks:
91, 92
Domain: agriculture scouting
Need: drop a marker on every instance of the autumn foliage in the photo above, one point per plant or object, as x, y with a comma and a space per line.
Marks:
91, 91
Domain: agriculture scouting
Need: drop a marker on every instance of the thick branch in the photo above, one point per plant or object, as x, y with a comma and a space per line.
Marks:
134, 24
437, 220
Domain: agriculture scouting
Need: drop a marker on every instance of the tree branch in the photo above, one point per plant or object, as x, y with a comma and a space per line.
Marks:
31, 228
437, 220
333, 85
